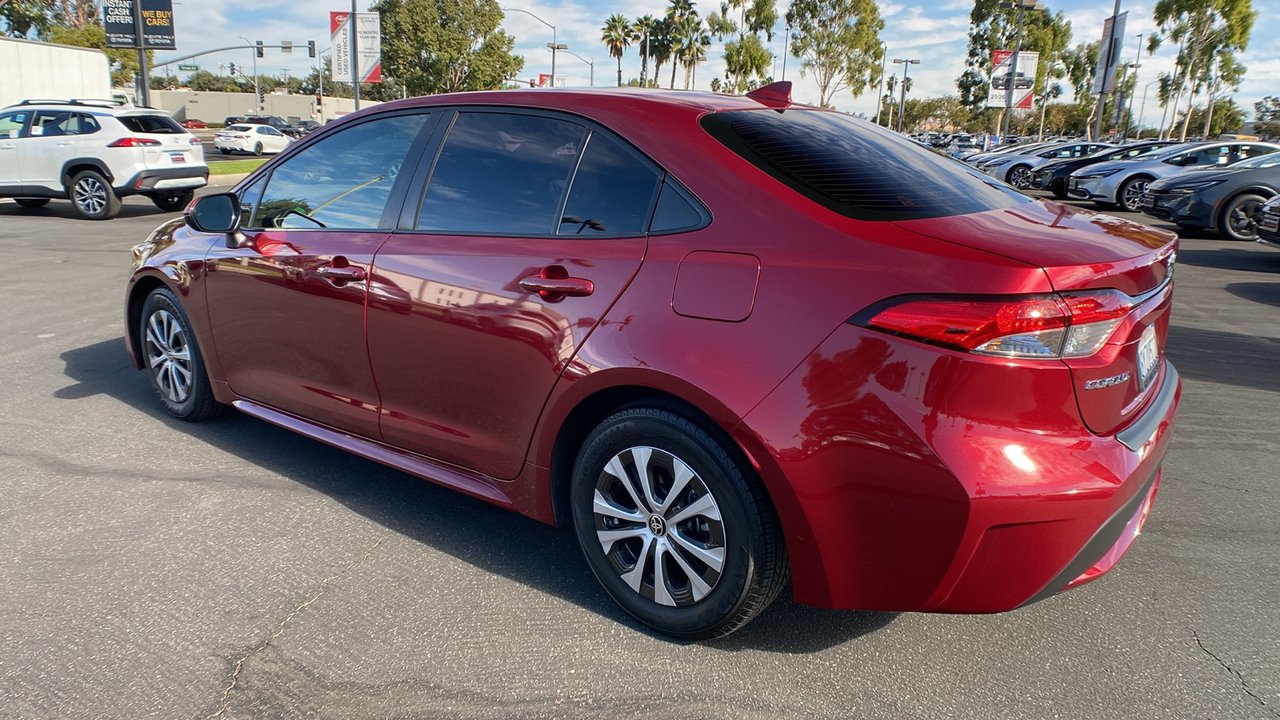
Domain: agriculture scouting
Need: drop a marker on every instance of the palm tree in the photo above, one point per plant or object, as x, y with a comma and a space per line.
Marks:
641, 30
616, 35
676, 14
693, 43
661, 46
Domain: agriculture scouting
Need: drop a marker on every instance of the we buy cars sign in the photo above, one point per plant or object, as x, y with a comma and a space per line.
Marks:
368, 45
1004, 79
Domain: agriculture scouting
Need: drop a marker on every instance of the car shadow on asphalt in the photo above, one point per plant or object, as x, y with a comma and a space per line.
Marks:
1229, 258
63, 209
1224, 357
490, 538
1264, 293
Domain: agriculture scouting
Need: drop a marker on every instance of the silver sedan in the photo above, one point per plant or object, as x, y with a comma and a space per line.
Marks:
1122, 182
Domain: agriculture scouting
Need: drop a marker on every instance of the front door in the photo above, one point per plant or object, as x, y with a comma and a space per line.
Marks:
287, 307
11, 125
522, 242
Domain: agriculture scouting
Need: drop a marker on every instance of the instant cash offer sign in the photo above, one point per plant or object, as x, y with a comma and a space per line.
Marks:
368, 44
157, 24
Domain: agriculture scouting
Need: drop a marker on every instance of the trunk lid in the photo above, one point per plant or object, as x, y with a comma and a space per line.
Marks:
1080, 251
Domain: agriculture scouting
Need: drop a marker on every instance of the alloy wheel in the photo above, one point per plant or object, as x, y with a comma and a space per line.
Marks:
1020, 177
168, 356
1133, 192
90, 195
1240, 218
659, 526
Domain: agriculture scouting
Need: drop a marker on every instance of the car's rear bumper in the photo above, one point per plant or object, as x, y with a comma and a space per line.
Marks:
909, 480
165, 179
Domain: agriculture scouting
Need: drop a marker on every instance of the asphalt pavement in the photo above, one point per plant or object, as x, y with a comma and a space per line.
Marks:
232, 569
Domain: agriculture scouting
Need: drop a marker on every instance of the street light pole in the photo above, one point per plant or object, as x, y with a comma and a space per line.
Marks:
591, 63
257, 108
902, 101
355, 56
551, 45
1143, 109
554, 47
1010, 79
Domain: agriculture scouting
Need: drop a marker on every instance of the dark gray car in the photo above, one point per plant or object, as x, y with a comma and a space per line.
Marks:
1223, 199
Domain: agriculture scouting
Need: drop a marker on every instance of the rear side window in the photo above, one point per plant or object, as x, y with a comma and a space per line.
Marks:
612, 191
155, 124
240, 128
856, 168
501, 174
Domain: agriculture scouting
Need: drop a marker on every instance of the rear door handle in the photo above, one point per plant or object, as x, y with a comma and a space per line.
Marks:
553, 284
340, 273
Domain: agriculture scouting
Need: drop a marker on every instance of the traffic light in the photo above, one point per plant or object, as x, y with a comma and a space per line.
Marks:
311, 48
532, 84
260, 53
232, 69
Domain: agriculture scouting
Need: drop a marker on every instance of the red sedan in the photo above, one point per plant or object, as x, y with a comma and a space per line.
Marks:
192, 123
732, 341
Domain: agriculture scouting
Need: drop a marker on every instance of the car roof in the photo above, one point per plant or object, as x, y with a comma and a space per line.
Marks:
587, 99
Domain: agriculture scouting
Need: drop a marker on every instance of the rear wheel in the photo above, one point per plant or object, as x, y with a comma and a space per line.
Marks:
1237, 221
173, 200
675, 524
1131, 192
225, 151
32, 203
93, 197
173, 359
257, 149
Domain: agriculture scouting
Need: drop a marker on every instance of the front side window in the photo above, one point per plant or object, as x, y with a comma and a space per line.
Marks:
343, 181
11, 124
501, 174
249, 198
612, 191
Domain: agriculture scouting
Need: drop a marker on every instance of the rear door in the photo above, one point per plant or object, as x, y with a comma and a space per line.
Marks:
464, 343
287, 307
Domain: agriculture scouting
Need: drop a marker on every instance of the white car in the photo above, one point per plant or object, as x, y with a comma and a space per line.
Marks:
93, 153
245, 137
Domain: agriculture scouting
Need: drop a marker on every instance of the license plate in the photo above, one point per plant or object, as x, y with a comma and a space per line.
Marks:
1270, 222
1148, 358
1147, 201
177, 157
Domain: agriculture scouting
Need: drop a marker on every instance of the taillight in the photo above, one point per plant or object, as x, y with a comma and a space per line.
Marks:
134, 142
1038, 326
195, 140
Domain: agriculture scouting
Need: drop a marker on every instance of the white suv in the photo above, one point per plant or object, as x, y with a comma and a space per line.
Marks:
93, 153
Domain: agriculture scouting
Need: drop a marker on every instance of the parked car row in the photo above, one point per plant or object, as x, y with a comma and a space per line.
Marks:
1225, 199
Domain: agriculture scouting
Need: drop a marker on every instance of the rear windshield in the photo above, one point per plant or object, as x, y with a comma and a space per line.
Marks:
856, 168
240, 128
157, 124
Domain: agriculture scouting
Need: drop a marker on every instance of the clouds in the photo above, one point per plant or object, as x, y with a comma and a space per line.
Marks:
936, 32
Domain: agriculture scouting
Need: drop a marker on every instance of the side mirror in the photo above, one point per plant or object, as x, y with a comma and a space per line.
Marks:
218, 213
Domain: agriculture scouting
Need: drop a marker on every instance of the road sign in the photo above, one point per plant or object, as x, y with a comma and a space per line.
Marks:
189, 68
157, 24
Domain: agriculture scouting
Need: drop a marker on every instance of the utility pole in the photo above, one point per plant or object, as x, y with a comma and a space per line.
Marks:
355, 56
1106, 70
902, 102
1011, 78
144, 72
884, 58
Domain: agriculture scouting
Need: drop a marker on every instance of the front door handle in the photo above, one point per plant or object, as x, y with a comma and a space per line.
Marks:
340, 274
553, 284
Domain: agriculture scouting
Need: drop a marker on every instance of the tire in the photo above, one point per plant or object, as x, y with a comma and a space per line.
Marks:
1019, 176
715, 538
92, 196
225, 151
1104, 204
1130, 192
1237, 219
32, 203
173, 201
1058, 192
173, 360
257, 149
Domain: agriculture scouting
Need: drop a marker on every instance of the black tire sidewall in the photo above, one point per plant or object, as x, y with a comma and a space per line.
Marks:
1224, 222
666, 431
172, 202
164, 299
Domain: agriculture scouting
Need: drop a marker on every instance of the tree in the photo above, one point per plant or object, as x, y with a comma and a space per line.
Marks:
661, 47
1225, 117
438, 46
993, 28
25, 18
1266, 116
1209, 33
679, 13
838, 41
693, 40
124, 62
616, 36
641, 31
746, 59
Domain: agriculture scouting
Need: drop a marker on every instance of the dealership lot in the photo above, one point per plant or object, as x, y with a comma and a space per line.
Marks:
151, 567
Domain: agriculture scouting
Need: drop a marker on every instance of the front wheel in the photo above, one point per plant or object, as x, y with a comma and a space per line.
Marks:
1020, 177
31, 203
93, 197
1238, 220
173, 359
174, 200
675, 524
1131, 192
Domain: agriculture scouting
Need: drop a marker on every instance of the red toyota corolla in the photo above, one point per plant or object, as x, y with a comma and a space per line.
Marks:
731, 340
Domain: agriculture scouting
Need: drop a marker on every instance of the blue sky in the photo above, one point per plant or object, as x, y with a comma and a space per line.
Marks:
933, 31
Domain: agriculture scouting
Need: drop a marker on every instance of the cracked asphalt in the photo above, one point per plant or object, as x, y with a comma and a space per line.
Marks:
152, 568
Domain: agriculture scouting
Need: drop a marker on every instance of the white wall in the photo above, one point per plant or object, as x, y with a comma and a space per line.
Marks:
215, 106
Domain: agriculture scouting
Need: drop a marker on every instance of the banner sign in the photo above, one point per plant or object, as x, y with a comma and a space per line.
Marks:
544, 80
157, 24
1104, 75
1004, 80
368, 43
